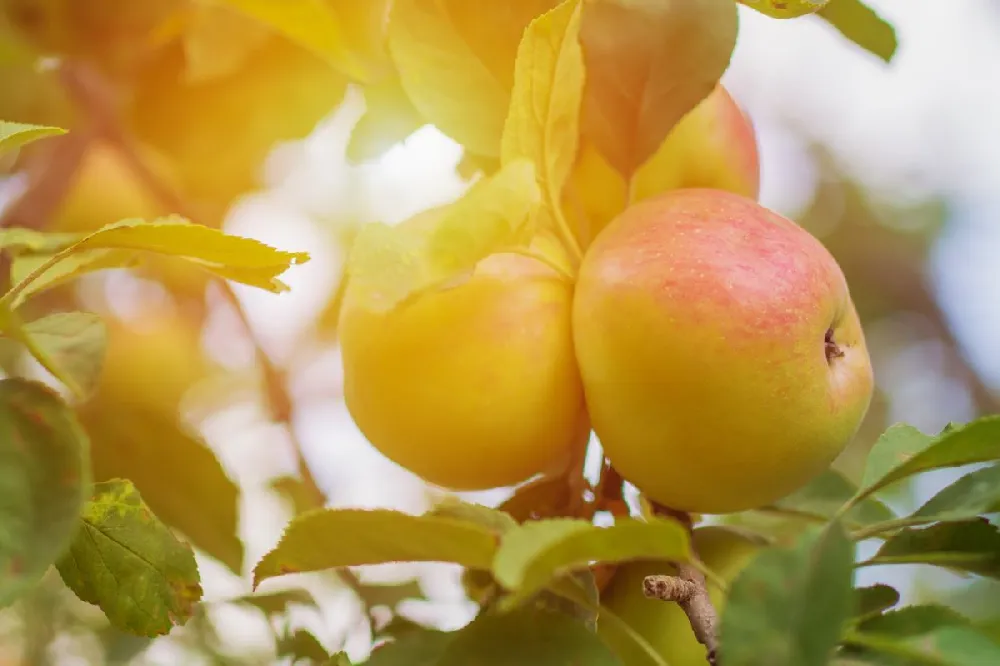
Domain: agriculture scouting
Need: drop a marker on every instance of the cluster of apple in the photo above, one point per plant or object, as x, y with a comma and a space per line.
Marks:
710, 343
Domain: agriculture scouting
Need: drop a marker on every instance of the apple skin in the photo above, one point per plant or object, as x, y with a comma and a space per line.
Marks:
700, 322
713, 146
471, 387
664, 625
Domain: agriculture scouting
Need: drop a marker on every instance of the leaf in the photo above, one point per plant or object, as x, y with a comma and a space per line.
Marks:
389, 265
389, 594
542, 498
179, 477
15, 135
312, 24
333, 538
975, 442
543, 122
44, 476
496, 521
302, 645
859, 23
898, 444
974, 494
275, 603
790, 605
17, 240
389, 118
527, 637
69, 268
971, 545
456, 63
930, 634
827, 493
533, 554
339, 659
175, 236
420, 647
648, 64
874, 599
217, 41
128, 563
70, 345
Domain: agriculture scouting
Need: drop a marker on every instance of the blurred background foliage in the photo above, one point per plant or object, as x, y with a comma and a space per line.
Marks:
206, 401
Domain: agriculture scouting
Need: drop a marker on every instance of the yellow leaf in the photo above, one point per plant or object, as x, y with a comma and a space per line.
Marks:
544, 118
648, 64
217, 41
310, 23
69, 268
390, 265
233, 257
15, 135
456, 62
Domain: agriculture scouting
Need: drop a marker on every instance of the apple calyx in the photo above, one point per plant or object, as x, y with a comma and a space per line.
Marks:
833, 350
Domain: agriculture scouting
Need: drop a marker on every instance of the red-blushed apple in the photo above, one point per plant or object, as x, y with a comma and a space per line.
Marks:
470, 387
723, 361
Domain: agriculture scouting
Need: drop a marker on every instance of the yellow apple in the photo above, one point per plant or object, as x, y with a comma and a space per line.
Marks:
470, 387
713, 146
663, 624
723, 361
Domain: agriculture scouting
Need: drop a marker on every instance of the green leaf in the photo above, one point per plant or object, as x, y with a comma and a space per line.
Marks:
44, 477
389, 595
275, 603
972, 546
527, 637
124, 560
874, 599
496, 521
389, 118
339, 659
827, 493
790, 605
15, 135
928, 635
974, 494
312, 24
333, 538
533, 554
233, 257
70, 345
906, 452
898, 444
543, 122
67, 269
648, 64
859, 23
302, 645
179, 477
419, 647
524, 637
390, 265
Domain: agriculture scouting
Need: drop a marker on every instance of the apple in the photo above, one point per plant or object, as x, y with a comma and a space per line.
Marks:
470, 387
663, 624
723, 361
713, 146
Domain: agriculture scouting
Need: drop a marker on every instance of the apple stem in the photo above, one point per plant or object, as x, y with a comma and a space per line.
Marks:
689, 590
